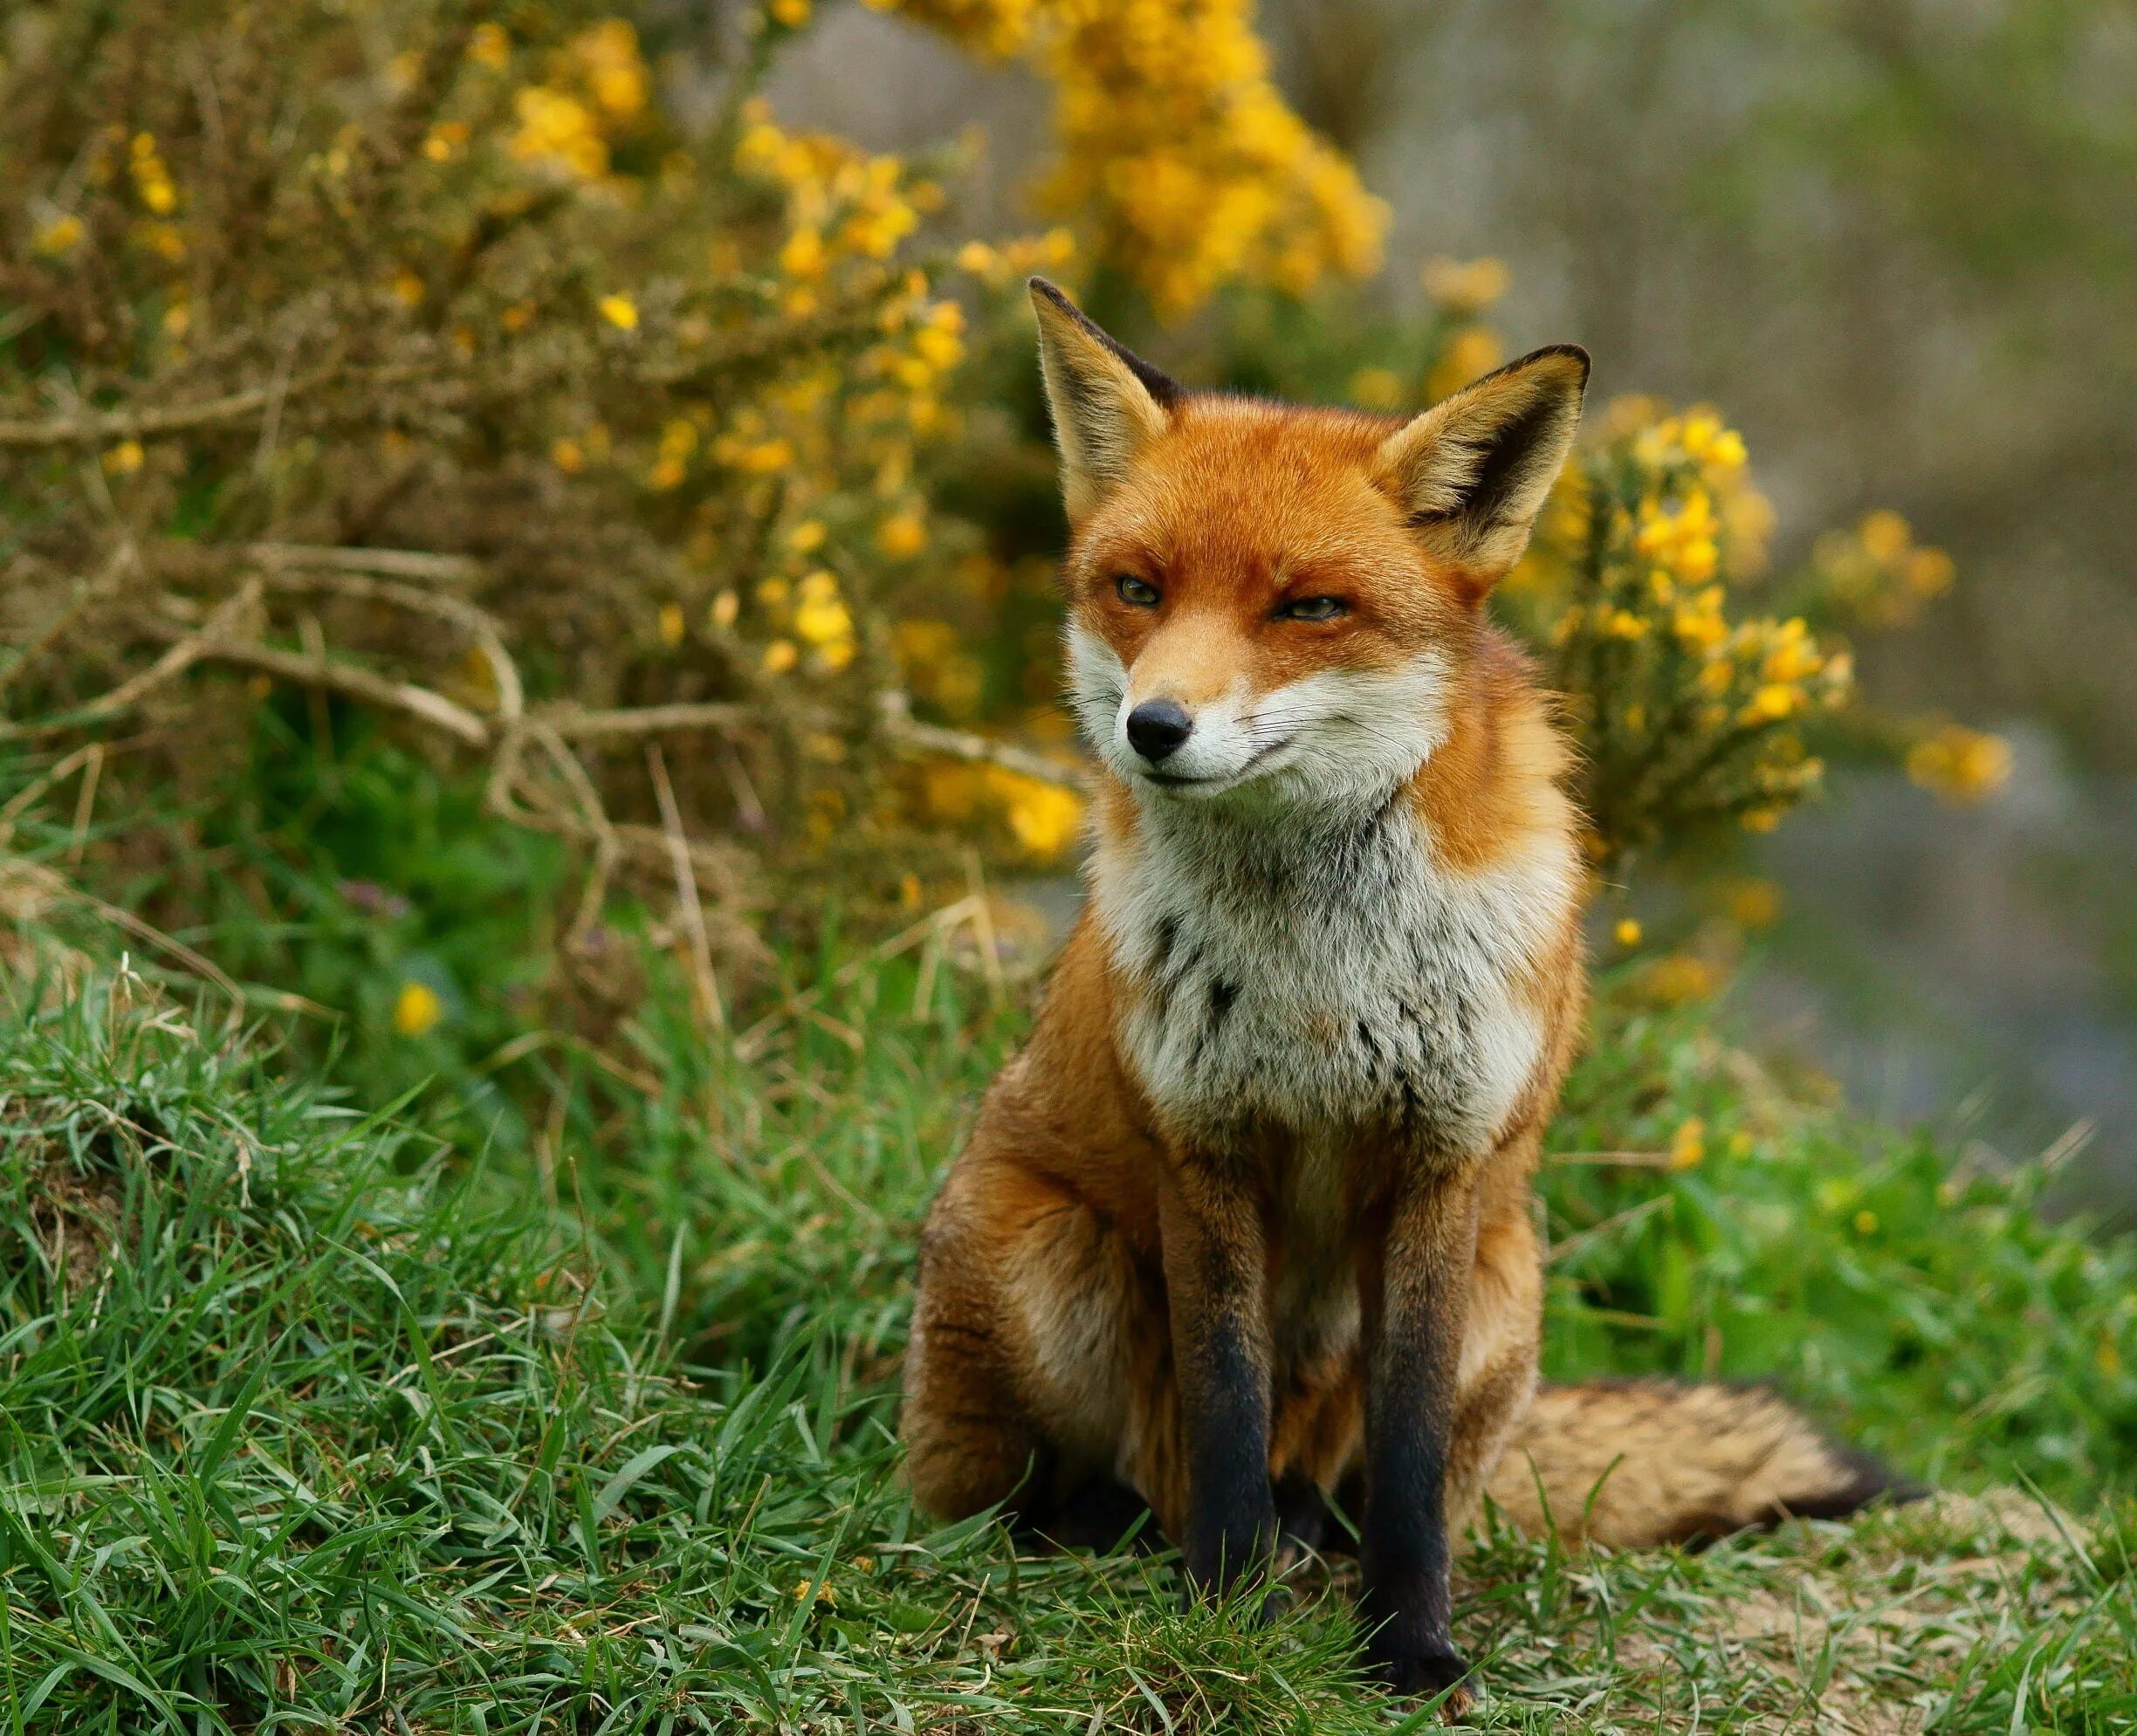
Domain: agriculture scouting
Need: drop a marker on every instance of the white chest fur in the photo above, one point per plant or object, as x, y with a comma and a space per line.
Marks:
1322, 977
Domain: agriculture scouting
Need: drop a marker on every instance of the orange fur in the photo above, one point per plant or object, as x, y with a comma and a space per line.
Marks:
1235, 1185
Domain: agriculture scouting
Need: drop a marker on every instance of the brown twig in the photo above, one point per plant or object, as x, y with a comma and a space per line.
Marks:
85, 592
906, 732
335, 674
478, 624
576, 725
389, 562
187, 649
97, 427
686, 892
607, 847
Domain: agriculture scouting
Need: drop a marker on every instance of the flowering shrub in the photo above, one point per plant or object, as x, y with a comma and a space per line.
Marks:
1688, 719
1176, 152
424, 371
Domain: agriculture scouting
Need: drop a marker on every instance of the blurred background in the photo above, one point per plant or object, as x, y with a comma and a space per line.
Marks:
1893, 242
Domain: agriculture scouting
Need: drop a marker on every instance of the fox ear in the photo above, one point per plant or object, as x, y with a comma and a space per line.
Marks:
1105, 401
1470, 473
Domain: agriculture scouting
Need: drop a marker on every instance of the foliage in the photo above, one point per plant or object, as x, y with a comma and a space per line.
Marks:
303, 1425
428, 367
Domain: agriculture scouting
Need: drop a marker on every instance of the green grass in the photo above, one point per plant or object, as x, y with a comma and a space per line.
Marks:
536, 1373
309, 1422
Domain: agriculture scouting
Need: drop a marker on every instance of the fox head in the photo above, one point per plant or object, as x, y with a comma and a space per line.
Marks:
1282, 599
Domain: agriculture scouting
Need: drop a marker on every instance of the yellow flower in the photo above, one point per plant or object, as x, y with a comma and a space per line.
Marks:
443, 142
489, 46
610, 54
780, 655
1679, 979
767, 457
938, 345
671, 624
568, 456
1688, 1145
1754, 903
152, 182
803, 256
125, 458
1928, 571
1627, 933
807, 537
416, 1008
1044, 817
792, 13
1464, 286
903, 535
1473, 351
1960, 764
1772, 702
408, 288
558, 132
166, 241
1377, 388
1700, 623
60, 235
820, 620
619, 311
725, 606
1885, 533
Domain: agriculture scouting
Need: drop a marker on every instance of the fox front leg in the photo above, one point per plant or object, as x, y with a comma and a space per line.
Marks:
1216, 1277
1414, 1282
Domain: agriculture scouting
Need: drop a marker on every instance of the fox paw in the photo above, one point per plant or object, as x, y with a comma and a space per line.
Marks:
1422, 1674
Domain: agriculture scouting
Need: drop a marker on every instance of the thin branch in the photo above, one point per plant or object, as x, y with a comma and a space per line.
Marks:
187, 649
574, 724
390, 563
85, 591
686, 892
478, 624
607, 847
100, 427
332, 673
904, 732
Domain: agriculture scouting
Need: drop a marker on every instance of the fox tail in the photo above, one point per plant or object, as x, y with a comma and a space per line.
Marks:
1639, 1463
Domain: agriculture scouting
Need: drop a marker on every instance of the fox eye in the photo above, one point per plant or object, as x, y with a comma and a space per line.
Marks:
1312, 608
1138, 592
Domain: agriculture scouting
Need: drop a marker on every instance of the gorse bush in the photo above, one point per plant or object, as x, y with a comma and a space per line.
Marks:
522, 385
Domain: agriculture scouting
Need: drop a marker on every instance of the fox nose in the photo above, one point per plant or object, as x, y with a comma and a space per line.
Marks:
1156, 727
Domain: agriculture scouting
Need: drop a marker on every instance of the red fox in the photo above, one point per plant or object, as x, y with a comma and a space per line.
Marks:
1249, 1223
